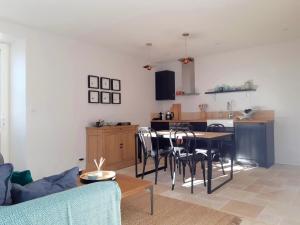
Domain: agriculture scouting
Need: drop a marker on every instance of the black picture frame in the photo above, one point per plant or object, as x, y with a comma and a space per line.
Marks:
113, 98
93, 82
105, 83
115, 82
103, 95
93, 96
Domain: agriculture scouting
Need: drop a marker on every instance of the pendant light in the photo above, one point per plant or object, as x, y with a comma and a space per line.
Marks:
186, 59
148, 66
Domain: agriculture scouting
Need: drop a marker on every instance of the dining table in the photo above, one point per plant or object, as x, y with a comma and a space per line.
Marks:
209, 138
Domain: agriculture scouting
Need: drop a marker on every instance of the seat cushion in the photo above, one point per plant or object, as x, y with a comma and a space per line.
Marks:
45, 186
22, 178
5, 184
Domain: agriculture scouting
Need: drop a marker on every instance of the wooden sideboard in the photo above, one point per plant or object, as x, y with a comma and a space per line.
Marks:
115, 143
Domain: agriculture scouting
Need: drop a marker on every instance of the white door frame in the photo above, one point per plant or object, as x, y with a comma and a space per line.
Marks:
4, 102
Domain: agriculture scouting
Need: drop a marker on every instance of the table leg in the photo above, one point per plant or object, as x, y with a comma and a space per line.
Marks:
232, 153
209, 167
151, 199
136, 156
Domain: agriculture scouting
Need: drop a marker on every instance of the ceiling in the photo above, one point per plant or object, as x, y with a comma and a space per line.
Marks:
126, 25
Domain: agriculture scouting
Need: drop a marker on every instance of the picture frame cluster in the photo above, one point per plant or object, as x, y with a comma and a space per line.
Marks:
109, 93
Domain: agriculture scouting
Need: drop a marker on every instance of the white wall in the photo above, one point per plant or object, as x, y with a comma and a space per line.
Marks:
18, 150
57, 110
276, 71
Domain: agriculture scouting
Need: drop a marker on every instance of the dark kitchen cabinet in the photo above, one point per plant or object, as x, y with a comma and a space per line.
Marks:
199, 126
255, 143
165, 85
160, 126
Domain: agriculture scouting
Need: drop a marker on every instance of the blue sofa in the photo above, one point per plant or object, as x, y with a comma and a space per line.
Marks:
93, 204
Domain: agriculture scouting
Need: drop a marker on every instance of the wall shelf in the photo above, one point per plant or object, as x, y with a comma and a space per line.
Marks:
221, 92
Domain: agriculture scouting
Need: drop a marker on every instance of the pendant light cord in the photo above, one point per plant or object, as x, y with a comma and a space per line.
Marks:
185, 44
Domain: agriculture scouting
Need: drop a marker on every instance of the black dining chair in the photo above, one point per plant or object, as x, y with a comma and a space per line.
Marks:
183, 143
151, 148
217, 146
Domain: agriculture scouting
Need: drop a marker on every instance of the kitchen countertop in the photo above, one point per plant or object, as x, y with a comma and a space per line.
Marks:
204, 120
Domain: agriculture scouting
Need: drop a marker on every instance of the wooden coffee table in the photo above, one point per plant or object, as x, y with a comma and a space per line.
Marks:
130, 186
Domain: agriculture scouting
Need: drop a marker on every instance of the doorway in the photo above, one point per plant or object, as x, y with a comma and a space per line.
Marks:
4, 101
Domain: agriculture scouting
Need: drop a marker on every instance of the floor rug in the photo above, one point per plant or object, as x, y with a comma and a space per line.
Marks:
168, 211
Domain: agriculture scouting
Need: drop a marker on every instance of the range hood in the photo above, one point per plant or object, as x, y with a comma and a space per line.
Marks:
188, 78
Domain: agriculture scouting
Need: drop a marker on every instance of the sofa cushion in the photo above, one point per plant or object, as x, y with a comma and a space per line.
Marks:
22, 178
45, 186
5, 184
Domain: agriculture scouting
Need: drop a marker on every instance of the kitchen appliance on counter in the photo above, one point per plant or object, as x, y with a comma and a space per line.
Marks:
102, 123
247, 114
160, 116
169, 115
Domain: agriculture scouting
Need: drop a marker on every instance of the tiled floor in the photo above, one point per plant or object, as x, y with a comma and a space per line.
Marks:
259, 196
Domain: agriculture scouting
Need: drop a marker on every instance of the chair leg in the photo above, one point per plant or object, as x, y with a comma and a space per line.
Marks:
175, 163
166, 163
171, 166
192, 177
144, 166
183, 173
203, 172
221, 161
179, 167
156, 168
174, 176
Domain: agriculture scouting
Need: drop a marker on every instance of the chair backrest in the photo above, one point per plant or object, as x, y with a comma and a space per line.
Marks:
172, 138
146, 137
185, 139
215, 127
1, 159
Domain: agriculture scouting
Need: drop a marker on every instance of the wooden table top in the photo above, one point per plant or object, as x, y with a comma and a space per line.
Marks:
202, 135
128, 185
131, 185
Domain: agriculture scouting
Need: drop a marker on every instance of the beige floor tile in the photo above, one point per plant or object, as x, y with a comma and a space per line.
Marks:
260, 196
277, 195
243, 209
269, 182
235, 194
246, 221
289, 222
254, 188
269, 217
257, 201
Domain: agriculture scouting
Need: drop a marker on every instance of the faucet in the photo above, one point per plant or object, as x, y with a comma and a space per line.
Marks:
229, 109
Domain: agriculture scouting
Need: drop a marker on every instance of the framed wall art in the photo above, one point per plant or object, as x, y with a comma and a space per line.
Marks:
105, 97
94, 97
105, 83
115, 85
93, 82
116, 98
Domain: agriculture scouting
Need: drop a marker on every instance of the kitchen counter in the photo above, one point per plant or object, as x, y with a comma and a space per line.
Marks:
254, 138
204, 120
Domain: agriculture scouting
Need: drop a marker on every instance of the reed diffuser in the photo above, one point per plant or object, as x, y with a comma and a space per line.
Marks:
99, 165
